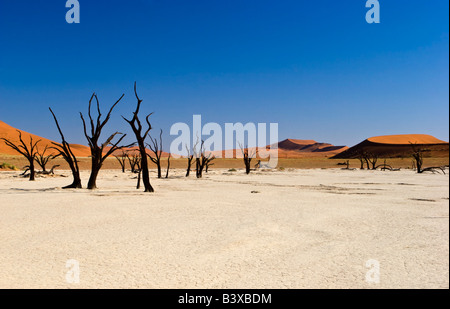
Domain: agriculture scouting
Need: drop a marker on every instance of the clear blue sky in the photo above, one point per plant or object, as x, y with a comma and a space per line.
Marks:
315, 67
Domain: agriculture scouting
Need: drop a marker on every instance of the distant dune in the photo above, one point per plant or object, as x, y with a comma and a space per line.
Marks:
295, 148
397, 146
10, 133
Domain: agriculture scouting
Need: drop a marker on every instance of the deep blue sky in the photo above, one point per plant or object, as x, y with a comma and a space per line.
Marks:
315, 67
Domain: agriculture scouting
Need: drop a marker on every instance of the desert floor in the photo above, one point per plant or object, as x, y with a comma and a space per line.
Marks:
298, 229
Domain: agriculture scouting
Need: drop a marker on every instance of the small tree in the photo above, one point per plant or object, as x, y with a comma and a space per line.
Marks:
28, 151
98, 154
156, 148
201, 159
135, 161
122, 158
190, 158
417, 154
42, 159
373, 159
248, 156
65, 151
136, 125
168, 165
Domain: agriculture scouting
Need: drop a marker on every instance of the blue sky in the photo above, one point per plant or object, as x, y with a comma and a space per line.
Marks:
315, 67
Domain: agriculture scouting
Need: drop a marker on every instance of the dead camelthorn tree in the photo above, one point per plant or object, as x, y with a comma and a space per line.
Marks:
28, 151
373, 159
190, 158
201, 159
136, 125
248, 156
42, 159
417, 154
209, 163
65, 151
168, 165
122, 158
98, 154
156, 148
135, 161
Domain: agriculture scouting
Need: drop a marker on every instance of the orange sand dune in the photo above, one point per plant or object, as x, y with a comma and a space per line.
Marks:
10, 133
406, 139
391, 146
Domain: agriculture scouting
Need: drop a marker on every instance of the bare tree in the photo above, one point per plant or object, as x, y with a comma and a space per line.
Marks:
98, 155
248, 156
28, 151
65, 151
168, 165
42, 159
122, 159
135, 161
209, 163
417, 154
201, 159
372, 158
156, 148
137, 129
190, 158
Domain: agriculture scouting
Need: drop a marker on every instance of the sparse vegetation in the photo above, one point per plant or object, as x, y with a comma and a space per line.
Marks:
7, 166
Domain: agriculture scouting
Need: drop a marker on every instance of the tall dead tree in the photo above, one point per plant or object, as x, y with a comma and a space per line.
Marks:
156, 148
190, 158
28, 151
99, 152
248, 156
65, 151
136, 125
122, 159
42, 159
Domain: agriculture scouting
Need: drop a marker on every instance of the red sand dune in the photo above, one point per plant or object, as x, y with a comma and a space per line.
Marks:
296, 148
10, 133
406, 139
396, 146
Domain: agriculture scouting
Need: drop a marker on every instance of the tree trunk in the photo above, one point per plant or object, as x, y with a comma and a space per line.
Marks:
139, 181
32, 173
159, 170
92, 184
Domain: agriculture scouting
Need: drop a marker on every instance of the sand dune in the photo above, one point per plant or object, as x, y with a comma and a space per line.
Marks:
397, 146
406, 139
10, 133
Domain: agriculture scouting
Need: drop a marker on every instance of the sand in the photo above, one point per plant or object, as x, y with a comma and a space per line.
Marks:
302, 229
406, 139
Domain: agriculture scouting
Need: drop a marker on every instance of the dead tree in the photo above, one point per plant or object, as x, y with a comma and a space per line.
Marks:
372, 158
28, 151
135, 161
156, 148
417, 154
209, 163
201, 159
42, 159
137, 129
98, 153
138, 170
65, 151
248, 156
190, 158
168, 165
122, 158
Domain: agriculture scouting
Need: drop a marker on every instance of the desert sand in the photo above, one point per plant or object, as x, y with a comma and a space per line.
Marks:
298, 229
